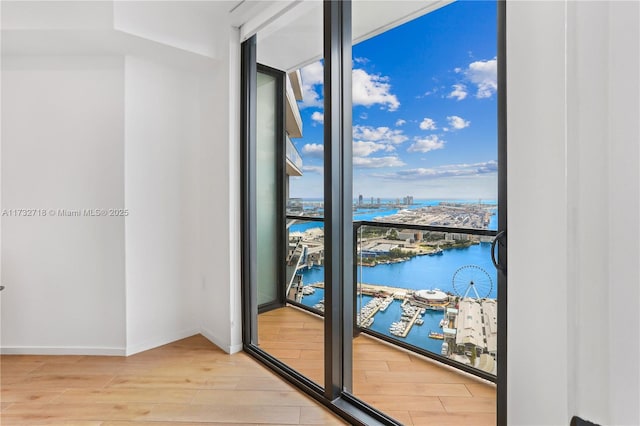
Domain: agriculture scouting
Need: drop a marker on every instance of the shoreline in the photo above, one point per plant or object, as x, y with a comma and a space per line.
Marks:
410, 254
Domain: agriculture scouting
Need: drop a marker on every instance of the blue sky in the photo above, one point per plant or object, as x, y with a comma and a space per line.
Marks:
425, 110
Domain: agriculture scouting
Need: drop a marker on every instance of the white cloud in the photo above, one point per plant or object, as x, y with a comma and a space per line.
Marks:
379, 134
318, 117
426, 144
364, 116
450, 170
377, 162
360, 60
313, 169
312, 75
364, 149
430, 92
368, 89
400, 122
457, 123
459, 92
484, 74
428, 124
313, 149
371, 89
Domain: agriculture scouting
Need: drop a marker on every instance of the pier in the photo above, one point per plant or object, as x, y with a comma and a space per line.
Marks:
375, 290
410, 324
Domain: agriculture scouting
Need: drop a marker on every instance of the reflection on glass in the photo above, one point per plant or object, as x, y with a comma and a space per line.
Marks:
305, 264
292, 43
266, 190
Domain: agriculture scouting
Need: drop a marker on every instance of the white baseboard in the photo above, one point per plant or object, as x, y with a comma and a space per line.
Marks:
62, 350
129, 350
235, 348
225, 346
159, 341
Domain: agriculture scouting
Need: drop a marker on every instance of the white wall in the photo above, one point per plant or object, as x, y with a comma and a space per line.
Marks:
62, 148
573, 109
169, 110
220, 201
190, 26
162, 136
624, 213
537, 224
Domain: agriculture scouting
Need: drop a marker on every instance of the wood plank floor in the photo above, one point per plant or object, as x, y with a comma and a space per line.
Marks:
410, 388
188, 382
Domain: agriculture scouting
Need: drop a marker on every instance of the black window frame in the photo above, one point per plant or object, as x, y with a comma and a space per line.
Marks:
339, 229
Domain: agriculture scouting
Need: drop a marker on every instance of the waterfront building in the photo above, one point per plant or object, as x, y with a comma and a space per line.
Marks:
412, 235
378, 249
490, 321
452, 236
469, 324
431, 297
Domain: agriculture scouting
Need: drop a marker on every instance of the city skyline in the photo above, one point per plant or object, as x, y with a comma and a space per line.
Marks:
424, 110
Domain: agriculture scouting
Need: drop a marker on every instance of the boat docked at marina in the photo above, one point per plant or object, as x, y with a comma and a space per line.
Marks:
436, 335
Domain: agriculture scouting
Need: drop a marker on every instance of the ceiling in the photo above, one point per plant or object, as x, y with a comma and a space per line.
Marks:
293, 38
191, 33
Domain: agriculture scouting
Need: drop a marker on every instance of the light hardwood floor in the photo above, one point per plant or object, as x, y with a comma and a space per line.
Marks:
188, 382
412, 389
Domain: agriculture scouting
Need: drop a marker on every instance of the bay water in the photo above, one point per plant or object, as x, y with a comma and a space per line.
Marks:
450, 272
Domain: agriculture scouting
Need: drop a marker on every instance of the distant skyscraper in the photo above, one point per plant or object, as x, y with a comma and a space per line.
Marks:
378, 201
371, 200
360, 199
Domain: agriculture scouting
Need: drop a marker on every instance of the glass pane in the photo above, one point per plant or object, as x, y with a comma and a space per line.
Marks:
425, 154
266, 190
305, 264
294, 332
434, 291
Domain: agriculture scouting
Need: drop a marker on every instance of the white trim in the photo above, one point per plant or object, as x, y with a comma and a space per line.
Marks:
61, 350
160, 341
225, 346
235, 189
235, 349
264, 17
428, 8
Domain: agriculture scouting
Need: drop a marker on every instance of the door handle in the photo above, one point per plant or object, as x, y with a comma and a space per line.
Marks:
501, 239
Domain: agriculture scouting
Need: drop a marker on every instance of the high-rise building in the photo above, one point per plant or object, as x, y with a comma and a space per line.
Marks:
360, 199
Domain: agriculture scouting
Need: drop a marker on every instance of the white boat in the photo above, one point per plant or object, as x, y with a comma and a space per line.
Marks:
445, 349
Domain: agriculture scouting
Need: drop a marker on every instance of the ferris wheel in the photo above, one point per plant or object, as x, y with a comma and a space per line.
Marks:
472, 279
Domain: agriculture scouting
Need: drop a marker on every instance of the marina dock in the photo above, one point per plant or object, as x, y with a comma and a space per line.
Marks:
410, 324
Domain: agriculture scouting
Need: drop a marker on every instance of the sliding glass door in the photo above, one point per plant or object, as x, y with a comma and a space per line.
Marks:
425, 198
374, 237
268, 173
284, 198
